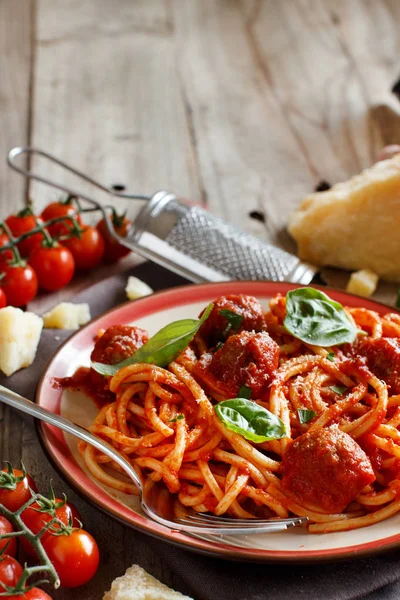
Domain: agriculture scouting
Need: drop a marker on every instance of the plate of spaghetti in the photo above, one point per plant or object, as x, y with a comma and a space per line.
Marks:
243, 399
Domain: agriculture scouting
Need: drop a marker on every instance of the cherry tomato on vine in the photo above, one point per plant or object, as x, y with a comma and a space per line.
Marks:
10, 572
6, 254
23, 222
15, 486
3, 298
36, 520
54, 266
75, 557
87, 250
113, 250
19, 283
32, 594
6, 527
66, 208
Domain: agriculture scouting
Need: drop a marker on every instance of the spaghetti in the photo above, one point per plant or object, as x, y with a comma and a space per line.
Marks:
339, 462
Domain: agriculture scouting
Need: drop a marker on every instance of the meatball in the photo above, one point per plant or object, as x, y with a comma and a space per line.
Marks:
218, 327
326, 469
246, 358
382, 356
117, 343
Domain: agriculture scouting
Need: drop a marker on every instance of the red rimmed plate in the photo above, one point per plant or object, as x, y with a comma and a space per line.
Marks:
152, 313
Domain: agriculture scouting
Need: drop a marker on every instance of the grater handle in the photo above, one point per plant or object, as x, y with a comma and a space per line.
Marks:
21, 150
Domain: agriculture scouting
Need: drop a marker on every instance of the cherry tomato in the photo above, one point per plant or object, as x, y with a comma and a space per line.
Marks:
87, 250
6, 527
53, 265
75, 557
6, 254
33, 594
36, 520
20, 283
10, 572
61, 209
13, 499
3, 298
21, 223
76, 516
113, 251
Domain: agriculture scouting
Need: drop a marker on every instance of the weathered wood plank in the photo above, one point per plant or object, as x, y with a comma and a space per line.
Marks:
320, 92
107, 96
16, 34
248, 154
372, 47
16, 23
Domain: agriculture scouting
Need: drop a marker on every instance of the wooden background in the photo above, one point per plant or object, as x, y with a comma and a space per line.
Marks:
243, 105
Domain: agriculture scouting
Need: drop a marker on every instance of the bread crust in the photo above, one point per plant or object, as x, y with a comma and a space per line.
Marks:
354, 225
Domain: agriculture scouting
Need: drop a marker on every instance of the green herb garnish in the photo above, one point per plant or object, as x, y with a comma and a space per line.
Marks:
338, 389
177, 418
330, 356
161, 349
250, 420
244, 392
313, 318
234, 320
305, 415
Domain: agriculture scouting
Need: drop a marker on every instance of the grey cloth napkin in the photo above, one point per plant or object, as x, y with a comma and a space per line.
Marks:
207, 578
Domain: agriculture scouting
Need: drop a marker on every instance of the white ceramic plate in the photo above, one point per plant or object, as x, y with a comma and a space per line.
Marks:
152, 313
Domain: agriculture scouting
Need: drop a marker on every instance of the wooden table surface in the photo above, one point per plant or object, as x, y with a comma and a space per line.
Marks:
243, 105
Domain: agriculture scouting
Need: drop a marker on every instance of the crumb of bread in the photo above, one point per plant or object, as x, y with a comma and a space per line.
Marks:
136, 288
362, 283
67, 315
137, 584
19, 338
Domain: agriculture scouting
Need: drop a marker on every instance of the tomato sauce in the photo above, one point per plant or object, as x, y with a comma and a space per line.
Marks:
81, 380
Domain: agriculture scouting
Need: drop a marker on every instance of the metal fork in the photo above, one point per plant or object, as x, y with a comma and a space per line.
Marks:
156, 502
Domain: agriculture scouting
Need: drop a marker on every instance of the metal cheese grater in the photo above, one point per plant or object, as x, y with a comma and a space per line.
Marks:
187, 239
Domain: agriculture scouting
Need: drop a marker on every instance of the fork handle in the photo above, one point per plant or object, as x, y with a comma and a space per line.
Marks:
20, 403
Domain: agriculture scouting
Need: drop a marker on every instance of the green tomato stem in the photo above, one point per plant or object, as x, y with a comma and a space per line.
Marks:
34, 539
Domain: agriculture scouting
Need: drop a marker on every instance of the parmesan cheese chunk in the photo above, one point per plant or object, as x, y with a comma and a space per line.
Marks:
67, 315
362, 283
137, 584
19, 337
136, 288
355, 224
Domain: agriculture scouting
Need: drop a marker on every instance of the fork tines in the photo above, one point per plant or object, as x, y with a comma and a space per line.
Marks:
205, 519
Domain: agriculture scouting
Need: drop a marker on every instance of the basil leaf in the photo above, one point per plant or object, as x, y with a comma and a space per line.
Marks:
312, 317
244, 392
161, 349
338, 389
234, 319
398, 299
250, 420
331, 356
177, 418
305, 415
